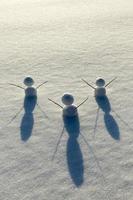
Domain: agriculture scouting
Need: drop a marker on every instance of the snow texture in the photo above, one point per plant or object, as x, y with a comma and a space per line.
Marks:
42, 155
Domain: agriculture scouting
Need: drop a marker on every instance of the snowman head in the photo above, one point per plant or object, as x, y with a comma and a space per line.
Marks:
67, 99
100, 82
28, 81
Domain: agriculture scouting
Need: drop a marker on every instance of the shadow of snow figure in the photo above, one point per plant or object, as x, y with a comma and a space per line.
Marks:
110, 122
27, 122
74, 154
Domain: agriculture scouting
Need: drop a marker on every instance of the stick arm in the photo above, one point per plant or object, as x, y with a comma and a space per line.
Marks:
16, 86
110, 81
41, 84
55, 103
82, 102
88, 83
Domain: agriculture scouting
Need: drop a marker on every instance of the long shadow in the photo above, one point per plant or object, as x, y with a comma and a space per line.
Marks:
27, 122
96, 123
74, 155
110, 122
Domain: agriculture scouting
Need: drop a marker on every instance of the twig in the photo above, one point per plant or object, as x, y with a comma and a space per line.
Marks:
41, 84
55, 103
88, 84
82, 102
110, 81
16, 86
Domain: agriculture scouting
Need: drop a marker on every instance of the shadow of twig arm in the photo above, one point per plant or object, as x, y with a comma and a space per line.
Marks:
58, 142
13, 118
42, 111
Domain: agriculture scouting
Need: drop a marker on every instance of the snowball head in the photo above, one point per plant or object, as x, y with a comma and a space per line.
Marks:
67, 99
28, 81
100, 82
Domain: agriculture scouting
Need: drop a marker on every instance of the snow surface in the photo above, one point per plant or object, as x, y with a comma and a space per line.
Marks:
63, 41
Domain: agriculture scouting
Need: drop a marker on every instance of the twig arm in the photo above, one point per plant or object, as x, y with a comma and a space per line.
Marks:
41, 84
82, 102
111, 81
55, 103
16, 86
88, 84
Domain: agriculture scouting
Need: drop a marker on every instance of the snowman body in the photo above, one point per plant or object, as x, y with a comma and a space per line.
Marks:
100, 91
70, 110
30, 91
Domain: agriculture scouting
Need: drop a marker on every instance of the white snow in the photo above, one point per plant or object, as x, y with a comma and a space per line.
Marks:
63, 41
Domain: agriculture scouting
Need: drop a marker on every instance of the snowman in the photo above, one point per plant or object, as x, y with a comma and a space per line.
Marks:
100, 88
30, 90
69, 109
30, 100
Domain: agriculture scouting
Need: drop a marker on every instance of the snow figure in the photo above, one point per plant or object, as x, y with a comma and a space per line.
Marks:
69, 109
71, 123
30, 102
100, 88
30, 90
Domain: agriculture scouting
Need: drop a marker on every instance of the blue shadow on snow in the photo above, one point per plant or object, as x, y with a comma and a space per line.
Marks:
110, 122
74, 155
27, 122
